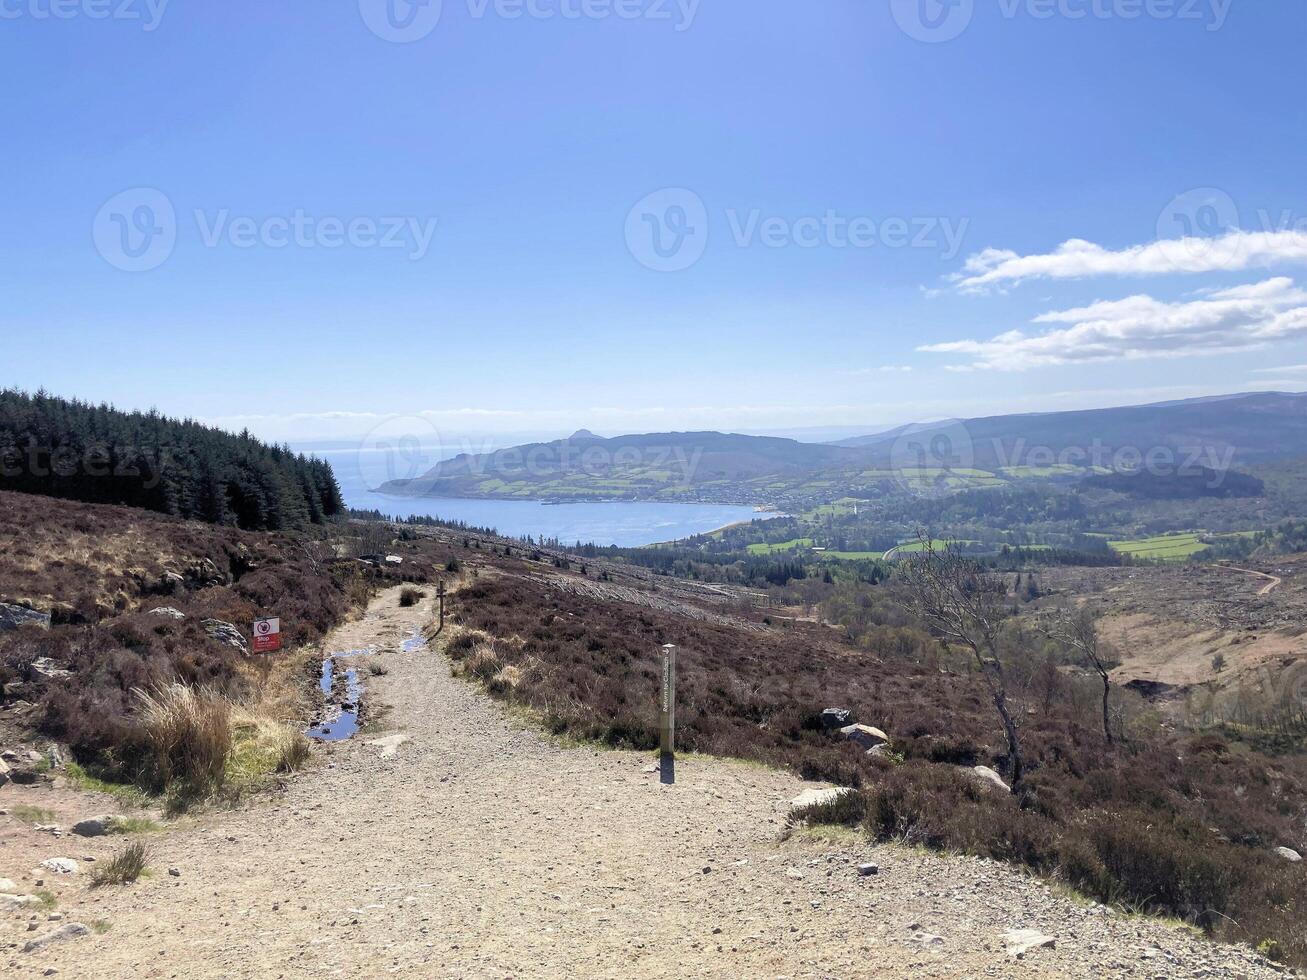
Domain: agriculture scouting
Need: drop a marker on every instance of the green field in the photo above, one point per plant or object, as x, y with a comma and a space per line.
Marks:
780, 547
852, 555
1162, 547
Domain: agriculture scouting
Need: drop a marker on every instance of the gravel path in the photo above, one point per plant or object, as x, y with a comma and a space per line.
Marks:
478, 848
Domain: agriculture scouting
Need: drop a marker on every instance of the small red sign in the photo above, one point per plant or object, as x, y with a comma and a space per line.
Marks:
267, 635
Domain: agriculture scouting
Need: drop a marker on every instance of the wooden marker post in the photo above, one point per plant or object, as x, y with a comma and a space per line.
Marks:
667, 727
440, 594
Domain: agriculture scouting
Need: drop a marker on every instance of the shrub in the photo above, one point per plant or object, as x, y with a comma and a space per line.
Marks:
123, 868
409, 596
188, 735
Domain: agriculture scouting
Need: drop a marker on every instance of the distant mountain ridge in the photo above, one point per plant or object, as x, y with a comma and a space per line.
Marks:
1248, 427
1213, 433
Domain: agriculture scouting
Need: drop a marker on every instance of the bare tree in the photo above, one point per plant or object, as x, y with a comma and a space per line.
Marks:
963, 605
1076, 630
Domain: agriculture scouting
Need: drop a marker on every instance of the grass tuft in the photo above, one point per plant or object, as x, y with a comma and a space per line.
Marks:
123, 868
189, 738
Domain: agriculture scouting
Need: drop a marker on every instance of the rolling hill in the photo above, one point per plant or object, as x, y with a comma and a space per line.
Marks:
584, 466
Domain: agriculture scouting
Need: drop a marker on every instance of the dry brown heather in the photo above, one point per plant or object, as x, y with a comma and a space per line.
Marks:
101, 569
1180, 823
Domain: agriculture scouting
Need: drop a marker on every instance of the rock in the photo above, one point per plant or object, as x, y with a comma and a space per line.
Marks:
95, 826
864, 735
4, 772
1022, 941
389, 745
227, 633
1289, 854
70, 930
812, 797
12, 617
394, 560
48, 668
7, 885
868, 869
988, 775
61, 866
175, 872
833, 718
48, 828
18, 901
168, 611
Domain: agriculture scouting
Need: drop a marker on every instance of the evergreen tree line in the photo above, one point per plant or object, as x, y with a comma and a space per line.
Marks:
97, 454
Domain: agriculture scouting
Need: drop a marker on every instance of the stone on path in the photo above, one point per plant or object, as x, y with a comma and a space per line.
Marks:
95, 826
1289, 854
1022, 941
61, 866
389, 745
69, 930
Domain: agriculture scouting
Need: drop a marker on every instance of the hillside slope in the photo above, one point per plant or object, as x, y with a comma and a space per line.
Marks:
469, 846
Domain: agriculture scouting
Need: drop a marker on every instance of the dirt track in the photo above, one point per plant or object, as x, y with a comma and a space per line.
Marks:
481, 849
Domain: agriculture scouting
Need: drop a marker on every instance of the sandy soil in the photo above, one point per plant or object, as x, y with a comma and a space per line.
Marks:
475, 847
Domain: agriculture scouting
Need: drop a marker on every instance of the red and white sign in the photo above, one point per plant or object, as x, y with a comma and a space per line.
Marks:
267, 635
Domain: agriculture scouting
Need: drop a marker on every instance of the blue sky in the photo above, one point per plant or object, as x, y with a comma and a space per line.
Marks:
530, 305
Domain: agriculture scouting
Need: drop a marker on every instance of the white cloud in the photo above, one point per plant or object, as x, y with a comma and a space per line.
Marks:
1286, 369
1234, 251
1241, 318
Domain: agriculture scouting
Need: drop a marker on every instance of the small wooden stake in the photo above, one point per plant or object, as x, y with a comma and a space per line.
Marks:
440, 594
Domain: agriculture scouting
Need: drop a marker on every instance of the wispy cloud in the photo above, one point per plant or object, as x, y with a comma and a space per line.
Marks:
1242, 318
1234, 251
883, 369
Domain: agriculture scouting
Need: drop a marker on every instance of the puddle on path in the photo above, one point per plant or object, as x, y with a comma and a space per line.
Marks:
343, 713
